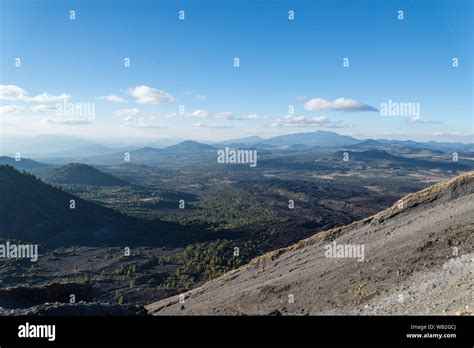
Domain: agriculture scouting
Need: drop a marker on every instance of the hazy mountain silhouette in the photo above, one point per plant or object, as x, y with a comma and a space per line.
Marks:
25, 164
189, 146
318, 138
369, 143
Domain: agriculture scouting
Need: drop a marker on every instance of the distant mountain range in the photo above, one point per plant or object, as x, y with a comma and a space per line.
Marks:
331, 139
70, 146
319, 138
432, 145
91, 150
369, 143
189, 146
188, 149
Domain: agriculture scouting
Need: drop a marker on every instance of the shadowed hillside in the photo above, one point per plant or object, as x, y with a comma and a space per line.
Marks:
81, 174
37, 212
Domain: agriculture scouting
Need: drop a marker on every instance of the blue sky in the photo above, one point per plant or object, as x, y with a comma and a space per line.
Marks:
190, 62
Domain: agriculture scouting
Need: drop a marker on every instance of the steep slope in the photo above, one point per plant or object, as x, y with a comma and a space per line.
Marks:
418, 259
81, 174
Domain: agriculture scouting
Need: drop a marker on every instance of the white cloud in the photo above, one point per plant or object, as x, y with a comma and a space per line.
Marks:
147, 126
226, 115
12, 92
301, 97
69, 121
464, 137
213, 126
200, 97
8, 109
149, 95
141, 122
253, 117
127, 112
454, 134
303, 121
133, 118
171, 115
418, 119
340, 104
199, 113
113, 99
49, 98
42, 108
222, 115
